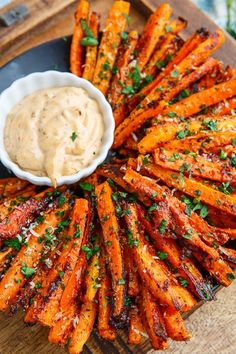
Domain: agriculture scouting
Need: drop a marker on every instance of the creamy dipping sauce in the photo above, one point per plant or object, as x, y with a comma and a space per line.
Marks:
54, 132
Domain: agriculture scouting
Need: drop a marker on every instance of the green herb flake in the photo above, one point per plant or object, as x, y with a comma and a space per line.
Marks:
27, 271
183, 282
162, 226
121, 281
86, 186
162, 255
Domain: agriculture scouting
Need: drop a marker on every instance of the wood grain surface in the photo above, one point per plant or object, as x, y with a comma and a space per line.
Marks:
214, 324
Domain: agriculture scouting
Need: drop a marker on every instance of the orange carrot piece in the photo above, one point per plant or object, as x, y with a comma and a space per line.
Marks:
153, 320
174, 325
45, 311
91, 51
153, 272
105, 330
110, 228
84, 327
27, 259
77, 51
195, 166
153, 30
136, 329
124, 57
108, 49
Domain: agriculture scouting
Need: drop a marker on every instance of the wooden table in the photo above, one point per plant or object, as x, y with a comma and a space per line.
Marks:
214, 324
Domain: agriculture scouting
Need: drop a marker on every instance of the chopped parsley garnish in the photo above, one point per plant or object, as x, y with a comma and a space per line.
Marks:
160, 64
27, 271
121, 281
225, 188
124, 36
222, 155
88, 39
90, 251
168, 28
152, 207
131, 240
13, 243
194, 205
145, 159
183, 134
174, 73
62, 200
183, 282
210, 124
162, 226
162, 255
230, 276
86, 186
73, 136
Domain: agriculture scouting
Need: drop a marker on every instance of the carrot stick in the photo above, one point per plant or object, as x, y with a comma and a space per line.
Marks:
136, 329
174, 325
195, 166
165, 132
197, 38
10, 186
77, 50
110, 228
168, 248
108, 49
46, 305
26, 260
195, 103
105, 330
124, 57
159, 101
168, 46
153, 272
208, 195
91, 51
227, 106
154, 29
84, 327
153, 320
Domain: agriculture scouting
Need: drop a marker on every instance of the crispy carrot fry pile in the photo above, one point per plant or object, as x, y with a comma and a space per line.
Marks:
138, 243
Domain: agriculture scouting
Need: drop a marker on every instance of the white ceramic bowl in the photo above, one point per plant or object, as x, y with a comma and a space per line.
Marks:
37, 81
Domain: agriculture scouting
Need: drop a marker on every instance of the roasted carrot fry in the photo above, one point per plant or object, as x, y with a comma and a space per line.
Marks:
208, 195
84, 327
10, 186
197, 38
114, 26
124, 57
110, 228
61, 328
189, 106
169, 249
174, 325
196, 166
24, 215
153, 320
77, 51
105, 330
152, 32
225, 107
136, 328
166, 47
228, 255
163, 133
153, 272
131, 274
46, 305
91, 51
158, 100
25, 263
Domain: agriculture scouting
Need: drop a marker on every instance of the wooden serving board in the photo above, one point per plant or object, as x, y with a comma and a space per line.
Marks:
213, 325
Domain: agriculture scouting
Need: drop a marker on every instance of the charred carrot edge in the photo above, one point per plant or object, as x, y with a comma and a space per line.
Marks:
164, 132
110, 229
185, 267
152, 32
205, 141
84, 327
153, 320
189, 106
24, 214
163, 47
29, 256
226, 107
108, 48
208, 195
140, 115
61, 328
153, 272
187, 48
45, 306
124, 57
105, 330
91, 51
228, 255
197, 166
77, 50
136, 332
174, 325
